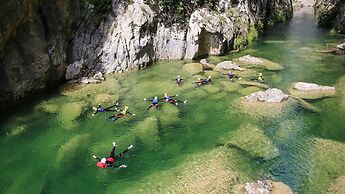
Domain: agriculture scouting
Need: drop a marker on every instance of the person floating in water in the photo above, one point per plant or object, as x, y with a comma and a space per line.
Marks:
122, 113
155, 103
101, 109
110, 161
231, 75
178, 80
201, 82
260, 78
171, 99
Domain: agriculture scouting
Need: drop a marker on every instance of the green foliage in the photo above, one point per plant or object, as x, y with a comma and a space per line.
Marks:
240, 42
253, 35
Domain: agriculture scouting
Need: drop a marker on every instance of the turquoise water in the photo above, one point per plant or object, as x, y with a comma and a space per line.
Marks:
46, 146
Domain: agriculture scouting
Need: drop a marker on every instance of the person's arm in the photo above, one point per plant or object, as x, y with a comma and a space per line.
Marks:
95, 157
130, 113
119, 166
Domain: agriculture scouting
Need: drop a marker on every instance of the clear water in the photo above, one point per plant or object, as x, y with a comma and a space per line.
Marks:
46, 146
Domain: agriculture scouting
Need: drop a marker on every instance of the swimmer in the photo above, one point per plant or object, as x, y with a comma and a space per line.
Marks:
231, 75
154, 103
201, 82
171, 99
122, 113
178, 80
110, 161
101, 109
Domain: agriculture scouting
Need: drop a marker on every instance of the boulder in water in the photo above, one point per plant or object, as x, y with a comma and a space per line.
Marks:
193, 68
206, 64
253, 140
257, 62
251, 83
228, 65
311, 91
272, 95
263, 187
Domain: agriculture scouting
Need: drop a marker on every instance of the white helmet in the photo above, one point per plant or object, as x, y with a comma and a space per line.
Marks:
104, 160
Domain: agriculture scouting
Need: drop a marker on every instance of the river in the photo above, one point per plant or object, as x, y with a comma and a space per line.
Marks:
46, 146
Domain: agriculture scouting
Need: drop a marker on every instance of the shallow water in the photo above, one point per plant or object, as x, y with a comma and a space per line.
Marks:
46, 146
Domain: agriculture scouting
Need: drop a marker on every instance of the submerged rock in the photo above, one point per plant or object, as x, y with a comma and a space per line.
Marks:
302, 86
328, 163
206, 64
252, 140
272, 95
193, 68
263, 187
197, 174
257, 62
147, 131
228, 65
338, 186
71, 149
251, 83
311, 91
69, 113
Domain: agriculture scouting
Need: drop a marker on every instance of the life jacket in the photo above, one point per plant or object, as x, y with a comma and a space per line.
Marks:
101, 165
100, 110
155, 101
111, 160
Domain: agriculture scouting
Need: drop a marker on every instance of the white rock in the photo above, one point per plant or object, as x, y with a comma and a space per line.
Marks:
271, 95
250, 59
99, 76
302, 86
341, 46
228, 65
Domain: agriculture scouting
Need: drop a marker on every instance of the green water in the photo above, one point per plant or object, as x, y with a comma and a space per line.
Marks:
46, 146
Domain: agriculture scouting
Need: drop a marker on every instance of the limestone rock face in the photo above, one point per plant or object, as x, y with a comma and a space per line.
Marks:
272, 95
34, 37
331, 14
43, 42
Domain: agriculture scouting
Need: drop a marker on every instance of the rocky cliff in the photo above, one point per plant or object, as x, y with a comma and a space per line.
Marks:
331, 14
34, 37
43, 42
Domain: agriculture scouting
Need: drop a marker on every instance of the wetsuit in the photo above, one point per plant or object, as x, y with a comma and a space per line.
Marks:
178, 81
231, 75
120, 115
203, 82
101, 109
154, 103
110, 162
171, 100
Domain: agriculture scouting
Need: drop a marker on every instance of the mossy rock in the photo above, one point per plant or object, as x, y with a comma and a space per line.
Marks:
328, 162
306, 105
89, 91
252, 140
69, 112
264, 109
230, 86
70, 150
264, 64
249, 90
193, 68
340, 86
213, 74
17, 130
338, 186
147, 131
251, 83
198, 173
105, 98
249, 73
311, 94
48, 107
211, 89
